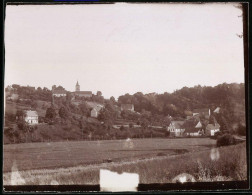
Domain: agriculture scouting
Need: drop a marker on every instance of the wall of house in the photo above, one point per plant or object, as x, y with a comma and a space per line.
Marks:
31, 119
94, 113
59, 95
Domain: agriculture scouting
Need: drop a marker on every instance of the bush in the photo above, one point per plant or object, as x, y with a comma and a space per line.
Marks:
241, 130
225, 140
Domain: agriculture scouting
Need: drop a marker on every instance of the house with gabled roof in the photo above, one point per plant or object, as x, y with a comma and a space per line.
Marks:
58, 91
217, 110
193, 128
31, 117
176, 128
211, 129
202, 112
96, 110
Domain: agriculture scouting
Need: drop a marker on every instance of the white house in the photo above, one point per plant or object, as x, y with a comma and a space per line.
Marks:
13, 96
31, 117
176, 128
96, 110
211, 129
58, 91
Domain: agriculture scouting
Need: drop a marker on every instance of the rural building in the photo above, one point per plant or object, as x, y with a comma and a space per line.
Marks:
58, 91
217, 110
31, 117
211, 129
129, 107
13, 96
176, 128
193, 128
96, 110
202, 112
81, 93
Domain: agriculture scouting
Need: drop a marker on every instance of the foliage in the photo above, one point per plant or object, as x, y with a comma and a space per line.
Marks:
50, 113
225, 140
241, 130
63, 112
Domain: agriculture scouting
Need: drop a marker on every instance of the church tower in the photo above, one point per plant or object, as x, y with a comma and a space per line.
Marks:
77, 87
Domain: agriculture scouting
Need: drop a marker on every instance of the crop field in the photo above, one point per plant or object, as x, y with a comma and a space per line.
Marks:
156, 160
66, 154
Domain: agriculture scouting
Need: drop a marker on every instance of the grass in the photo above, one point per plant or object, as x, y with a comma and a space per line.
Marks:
230, 166
72, 153
152, 165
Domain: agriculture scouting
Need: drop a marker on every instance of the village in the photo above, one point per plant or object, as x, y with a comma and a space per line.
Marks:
200, 122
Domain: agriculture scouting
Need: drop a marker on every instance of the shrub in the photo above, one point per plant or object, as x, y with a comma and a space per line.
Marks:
225, 140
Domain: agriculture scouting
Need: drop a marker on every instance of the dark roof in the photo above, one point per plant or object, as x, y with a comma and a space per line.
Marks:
98, 108
178, 124
31, 113
83, 92
189, 126
201, 110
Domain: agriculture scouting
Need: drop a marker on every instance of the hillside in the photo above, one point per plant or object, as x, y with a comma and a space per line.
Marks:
69, 118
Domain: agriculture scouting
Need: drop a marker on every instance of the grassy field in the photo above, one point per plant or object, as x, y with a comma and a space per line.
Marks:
155, 160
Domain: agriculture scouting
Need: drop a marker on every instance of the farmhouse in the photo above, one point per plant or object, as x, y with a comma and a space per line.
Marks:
96, 110
193, 128
58, 91
81, 93
176, 128
202, 112
129, 107
13, 96
31, 117
217, 110
211, 129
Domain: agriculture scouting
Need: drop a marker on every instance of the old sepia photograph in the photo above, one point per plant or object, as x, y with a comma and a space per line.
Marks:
124, 95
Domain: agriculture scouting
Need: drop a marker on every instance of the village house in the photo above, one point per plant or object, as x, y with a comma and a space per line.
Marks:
202, 112
193, 128
96, 110
176, 128
13, 96
79, 93
58, 91
211, 129
217, 110
129, 107
31, 117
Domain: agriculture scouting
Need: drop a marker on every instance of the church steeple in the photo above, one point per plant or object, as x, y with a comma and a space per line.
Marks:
77, 86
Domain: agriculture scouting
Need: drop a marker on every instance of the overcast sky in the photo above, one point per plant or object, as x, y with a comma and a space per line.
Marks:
123, 48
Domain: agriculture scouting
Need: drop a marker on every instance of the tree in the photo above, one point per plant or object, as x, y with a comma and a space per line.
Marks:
22, 125
50, 113
84, 109
144, 123
112, 100
99, 93
63, 112
122, 128
20, 114
241, 130
34, 104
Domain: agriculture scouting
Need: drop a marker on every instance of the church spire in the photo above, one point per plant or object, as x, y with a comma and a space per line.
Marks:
77, 86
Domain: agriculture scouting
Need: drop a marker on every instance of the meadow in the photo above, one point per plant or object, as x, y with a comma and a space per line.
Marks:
155, 160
